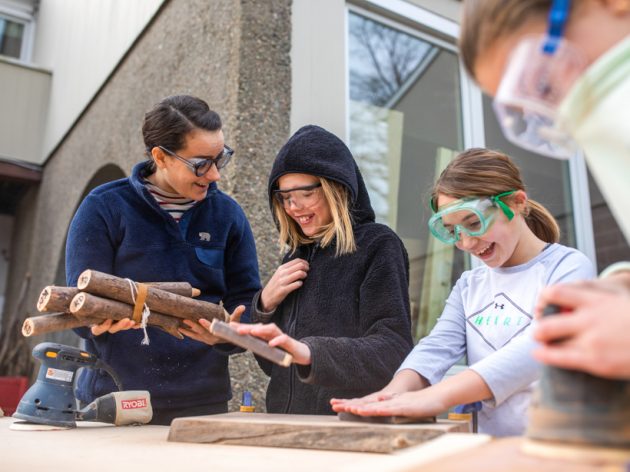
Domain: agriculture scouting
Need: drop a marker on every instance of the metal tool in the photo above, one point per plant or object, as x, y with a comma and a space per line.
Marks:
51, 401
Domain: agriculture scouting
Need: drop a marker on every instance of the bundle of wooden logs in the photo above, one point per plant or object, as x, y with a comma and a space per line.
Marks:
99, 296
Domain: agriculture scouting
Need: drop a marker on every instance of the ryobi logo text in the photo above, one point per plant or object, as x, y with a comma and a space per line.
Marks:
133, 404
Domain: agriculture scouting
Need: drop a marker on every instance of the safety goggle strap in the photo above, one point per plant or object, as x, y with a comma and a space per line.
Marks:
506, 209
558, 16
432, 205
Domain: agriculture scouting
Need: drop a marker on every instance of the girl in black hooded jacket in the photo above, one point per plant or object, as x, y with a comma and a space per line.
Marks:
339, 303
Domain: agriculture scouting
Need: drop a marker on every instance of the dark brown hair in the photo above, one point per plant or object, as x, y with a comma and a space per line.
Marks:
480, 172
168, 123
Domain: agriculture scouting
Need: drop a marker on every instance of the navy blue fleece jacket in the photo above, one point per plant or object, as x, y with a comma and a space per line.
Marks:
352, 310
120, 229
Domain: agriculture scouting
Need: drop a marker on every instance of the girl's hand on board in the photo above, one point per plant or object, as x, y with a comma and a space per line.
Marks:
276, 338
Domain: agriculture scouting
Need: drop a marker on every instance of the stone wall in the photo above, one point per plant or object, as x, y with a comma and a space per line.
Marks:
232, 53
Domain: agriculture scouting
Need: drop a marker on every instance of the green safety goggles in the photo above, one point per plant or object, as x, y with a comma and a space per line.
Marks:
474, 216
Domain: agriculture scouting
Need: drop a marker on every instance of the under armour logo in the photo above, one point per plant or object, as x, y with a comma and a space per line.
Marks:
499, 305
204, 236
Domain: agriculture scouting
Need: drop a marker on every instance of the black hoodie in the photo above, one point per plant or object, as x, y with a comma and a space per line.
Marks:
353, 310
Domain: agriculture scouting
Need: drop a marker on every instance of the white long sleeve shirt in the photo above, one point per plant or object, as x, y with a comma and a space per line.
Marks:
488, 317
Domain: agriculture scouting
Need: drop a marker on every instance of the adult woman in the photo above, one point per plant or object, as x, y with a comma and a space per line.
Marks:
482, 208
168, 222
339, 302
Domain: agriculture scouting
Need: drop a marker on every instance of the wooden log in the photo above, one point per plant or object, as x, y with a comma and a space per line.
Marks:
86, 305
52, 322
93, 281
306, 432
180, 288
116, 288
56, 299
256, 345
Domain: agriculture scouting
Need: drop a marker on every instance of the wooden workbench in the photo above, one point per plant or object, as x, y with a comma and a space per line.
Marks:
106, 448
97, 447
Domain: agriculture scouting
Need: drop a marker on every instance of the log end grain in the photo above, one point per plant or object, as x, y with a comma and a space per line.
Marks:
77, 302
27, 328
84, 279
44, 297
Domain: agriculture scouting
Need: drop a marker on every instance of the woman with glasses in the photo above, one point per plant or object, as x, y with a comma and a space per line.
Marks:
480, 206
168, 222
339, 302
583, 82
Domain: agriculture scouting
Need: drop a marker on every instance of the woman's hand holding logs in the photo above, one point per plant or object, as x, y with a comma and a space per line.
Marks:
201, 331
111, 326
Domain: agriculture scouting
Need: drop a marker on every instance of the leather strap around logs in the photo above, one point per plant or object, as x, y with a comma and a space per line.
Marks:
140, 299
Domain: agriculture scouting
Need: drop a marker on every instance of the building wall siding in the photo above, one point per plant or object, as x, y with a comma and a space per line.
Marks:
232, 53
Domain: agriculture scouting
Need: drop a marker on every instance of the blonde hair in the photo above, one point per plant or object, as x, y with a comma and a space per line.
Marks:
485, 21
479, 172
339, 230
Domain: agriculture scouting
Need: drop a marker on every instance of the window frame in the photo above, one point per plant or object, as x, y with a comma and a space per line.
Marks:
25, 18
424, 24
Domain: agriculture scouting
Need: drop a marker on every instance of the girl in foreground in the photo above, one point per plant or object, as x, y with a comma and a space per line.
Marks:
480, 205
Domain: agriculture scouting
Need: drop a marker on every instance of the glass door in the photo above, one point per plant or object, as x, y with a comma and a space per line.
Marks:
405, 125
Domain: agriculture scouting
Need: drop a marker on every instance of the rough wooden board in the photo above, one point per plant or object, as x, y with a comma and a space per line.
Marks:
345, 416
507, 454
306, 432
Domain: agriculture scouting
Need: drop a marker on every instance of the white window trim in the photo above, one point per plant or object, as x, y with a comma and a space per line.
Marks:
472, 107
425, 18
22, 16
449, 46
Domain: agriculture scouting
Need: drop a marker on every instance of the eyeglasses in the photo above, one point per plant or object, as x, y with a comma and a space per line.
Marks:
300, 196
471, 216
539, 74
201, 165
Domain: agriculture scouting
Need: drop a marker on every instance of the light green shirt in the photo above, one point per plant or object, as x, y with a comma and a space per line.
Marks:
597, 113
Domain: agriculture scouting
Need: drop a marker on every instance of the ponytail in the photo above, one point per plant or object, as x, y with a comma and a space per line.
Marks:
541, 222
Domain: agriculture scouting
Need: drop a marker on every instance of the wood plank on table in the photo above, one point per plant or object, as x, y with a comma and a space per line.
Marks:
306, 432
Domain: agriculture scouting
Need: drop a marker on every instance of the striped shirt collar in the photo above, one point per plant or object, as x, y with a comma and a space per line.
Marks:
172, 203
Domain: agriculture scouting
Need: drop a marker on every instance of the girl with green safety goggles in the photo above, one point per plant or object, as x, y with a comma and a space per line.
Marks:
473, 216
487, 316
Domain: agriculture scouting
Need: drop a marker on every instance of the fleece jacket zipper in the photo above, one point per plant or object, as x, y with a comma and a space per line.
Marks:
292, 330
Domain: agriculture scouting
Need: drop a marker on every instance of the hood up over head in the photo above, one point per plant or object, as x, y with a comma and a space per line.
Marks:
315, 151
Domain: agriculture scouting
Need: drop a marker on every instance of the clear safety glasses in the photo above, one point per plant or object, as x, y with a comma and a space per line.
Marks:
301, 197
539, 73
471, 216
201, 165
